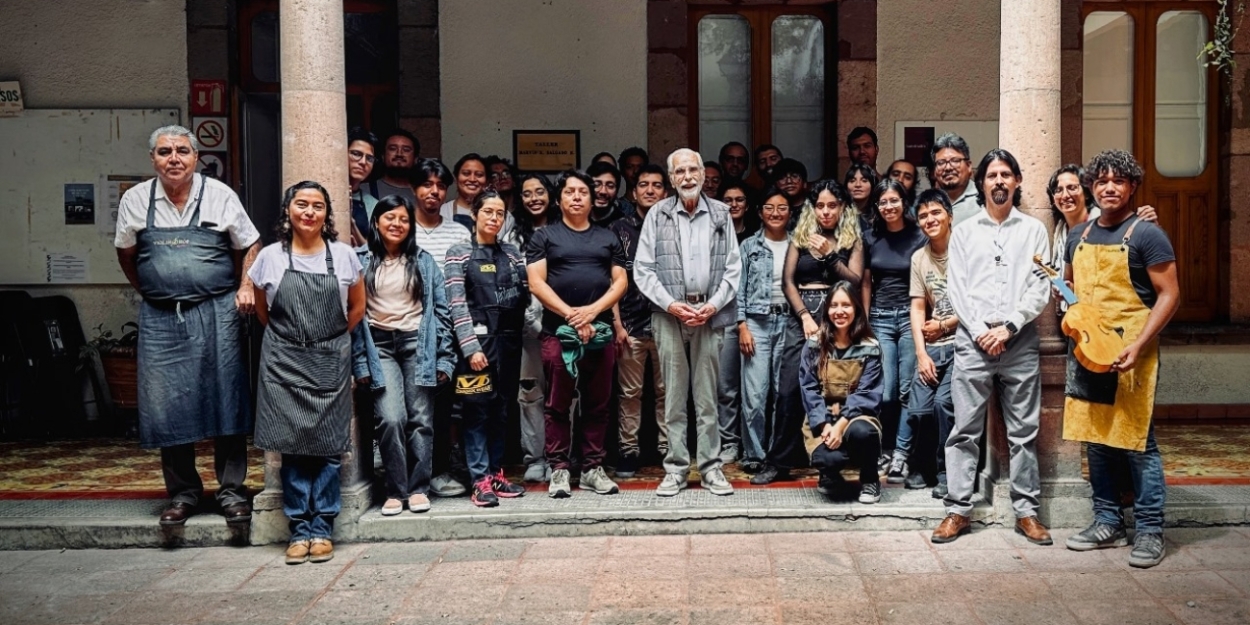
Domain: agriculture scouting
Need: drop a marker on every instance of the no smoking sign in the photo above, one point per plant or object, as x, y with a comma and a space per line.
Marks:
210, 132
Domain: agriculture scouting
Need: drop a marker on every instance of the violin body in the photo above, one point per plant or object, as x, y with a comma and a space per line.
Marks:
1097, 345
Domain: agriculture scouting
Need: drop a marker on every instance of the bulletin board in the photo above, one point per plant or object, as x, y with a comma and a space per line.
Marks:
57, 168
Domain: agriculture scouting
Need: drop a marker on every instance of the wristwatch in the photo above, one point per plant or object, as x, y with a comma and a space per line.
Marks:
1011, 327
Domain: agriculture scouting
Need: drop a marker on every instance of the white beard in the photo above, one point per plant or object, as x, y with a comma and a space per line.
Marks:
687, 195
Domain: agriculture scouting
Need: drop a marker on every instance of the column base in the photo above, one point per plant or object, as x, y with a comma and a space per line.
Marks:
269, 524
1065, 502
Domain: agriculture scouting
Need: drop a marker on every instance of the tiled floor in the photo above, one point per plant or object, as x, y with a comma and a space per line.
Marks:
113, 468
990, 577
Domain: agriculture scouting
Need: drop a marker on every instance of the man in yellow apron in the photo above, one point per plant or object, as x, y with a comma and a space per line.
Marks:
1125, 268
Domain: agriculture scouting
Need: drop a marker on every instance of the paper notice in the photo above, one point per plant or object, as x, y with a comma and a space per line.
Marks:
66, 268
115, 186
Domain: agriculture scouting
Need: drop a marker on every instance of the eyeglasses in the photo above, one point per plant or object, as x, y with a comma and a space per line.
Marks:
890, 203
774, 208
357, 155
790, 176
953, 162
736, 159
500, 175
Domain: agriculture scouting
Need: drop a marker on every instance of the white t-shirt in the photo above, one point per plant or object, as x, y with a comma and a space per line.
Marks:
271, 265
779, 249
391, 305
219, 207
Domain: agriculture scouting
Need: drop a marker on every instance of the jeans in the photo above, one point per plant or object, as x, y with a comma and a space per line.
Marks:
729, 387
631, 367
1146, 468
484, 416
310, 494
532, 397
761, 377
898, 366
593, 388
861, 444
403, 415
689, 360
182, 479
931, 413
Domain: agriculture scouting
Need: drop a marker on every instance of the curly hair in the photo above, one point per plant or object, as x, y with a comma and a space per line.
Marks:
283, 227
847, 228
1118, 162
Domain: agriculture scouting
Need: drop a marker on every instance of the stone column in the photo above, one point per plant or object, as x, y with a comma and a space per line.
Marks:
1029, 127
314, 147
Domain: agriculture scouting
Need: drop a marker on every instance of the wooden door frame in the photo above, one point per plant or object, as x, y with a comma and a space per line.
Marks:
761, 66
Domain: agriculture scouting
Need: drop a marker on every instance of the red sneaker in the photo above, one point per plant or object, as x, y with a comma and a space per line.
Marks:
483, 494
504, 488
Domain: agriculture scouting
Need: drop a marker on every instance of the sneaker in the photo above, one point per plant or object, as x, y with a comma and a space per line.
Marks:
627, 466
484, 493
870, 492
884, 461
418, 502
321, 550
714, 481
750, 466
673, 483
1098, 536
729, 454
914, 481
537, 472
392, 507
597, 480
504, 488
826, 484
770, 474
446, 486
940, 491
559, 486
1148, 550
897, 472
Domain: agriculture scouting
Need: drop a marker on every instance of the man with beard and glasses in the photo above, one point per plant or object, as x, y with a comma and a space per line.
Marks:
952, 172
400, 152
607, 206
361, 145
687, 264
996, 296
905, 173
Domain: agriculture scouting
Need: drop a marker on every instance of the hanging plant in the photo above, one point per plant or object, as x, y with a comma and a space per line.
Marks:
1219, 51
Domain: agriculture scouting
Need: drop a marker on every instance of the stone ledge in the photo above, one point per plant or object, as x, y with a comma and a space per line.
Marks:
1205, 334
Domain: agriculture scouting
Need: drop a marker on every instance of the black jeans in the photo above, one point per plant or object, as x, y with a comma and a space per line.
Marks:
861, 445
182, 480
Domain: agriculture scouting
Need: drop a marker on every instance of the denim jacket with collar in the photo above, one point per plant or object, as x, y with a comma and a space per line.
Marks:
435, 332
755, 291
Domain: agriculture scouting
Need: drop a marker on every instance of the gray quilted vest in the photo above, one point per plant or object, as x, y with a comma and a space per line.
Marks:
668, 253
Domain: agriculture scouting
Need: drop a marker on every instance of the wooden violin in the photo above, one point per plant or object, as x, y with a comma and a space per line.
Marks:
1098, 345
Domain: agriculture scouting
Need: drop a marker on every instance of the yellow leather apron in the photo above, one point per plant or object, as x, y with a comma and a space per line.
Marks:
838, 380
1101, 279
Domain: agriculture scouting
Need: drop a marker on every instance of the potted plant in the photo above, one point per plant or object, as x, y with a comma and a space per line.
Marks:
119, 357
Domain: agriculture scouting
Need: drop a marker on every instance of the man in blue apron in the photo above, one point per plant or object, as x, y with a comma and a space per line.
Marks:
183, 240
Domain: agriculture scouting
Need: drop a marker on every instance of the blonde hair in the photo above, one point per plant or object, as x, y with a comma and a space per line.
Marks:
846, 232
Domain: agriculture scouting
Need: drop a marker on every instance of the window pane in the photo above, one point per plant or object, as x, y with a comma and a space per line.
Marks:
724, 82
1108, 90
369, 48
799, 89
265, 46
1180, 94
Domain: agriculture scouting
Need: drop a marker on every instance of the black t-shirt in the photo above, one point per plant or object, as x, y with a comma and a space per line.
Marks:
888, 255
579, 265
1148, 247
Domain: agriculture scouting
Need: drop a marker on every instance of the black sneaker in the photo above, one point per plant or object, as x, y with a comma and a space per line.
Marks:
939, 491
484, 494
1097, 536
627, 466
770, 474
870, 492
750, 466
897, 472
504, 488
830, 484
883, 462
1148, 550
914, 481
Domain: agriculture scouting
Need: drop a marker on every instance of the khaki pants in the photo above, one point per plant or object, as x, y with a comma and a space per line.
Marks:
631, 366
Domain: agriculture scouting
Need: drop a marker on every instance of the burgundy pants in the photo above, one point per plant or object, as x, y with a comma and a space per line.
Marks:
593, 387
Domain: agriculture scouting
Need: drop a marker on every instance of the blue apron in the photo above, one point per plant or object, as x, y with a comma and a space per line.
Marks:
192, 380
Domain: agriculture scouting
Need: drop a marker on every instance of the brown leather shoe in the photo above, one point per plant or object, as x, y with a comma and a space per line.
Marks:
952, 527
238, 512
322, 550
177, 513
297, 552
1032, 529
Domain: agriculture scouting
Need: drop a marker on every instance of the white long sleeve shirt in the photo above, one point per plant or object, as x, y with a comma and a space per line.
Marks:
694, 236
990, 271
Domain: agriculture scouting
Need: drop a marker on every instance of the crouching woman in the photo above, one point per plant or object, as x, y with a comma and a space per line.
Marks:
840, 375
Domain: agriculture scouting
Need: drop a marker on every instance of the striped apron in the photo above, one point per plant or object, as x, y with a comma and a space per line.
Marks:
304, 401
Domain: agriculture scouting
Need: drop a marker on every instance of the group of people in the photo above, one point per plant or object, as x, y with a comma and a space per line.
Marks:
845, 325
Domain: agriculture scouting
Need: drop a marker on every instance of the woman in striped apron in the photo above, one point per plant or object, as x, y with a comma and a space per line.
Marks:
309, 294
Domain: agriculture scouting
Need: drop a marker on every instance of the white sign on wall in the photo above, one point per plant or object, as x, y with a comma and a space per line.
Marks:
10, 99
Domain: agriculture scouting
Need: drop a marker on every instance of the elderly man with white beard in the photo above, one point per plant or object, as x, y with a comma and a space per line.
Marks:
688, 266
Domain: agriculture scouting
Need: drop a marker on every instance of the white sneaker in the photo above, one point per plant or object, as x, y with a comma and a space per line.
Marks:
446, 486
537, 472
673, 483
559, 486
714, 481
597, 480
729, 454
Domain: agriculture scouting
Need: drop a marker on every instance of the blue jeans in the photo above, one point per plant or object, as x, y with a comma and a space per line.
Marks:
310, 494
403, 415
729, 406
1146, 469
761, 375
898, 366
931, 415
484, 416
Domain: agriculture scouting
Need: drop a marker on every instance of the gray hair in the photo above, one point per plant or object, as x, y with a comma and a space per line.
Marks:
952, 141
683, 151
173, 130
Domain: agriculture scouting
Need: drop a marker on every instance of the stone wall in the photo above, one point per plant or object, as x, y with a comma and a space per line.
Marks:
668, 86
420, 78
857, 77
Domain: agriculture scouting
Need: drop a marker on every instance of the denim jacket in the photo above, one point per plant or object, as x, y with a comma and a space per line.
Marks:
755, 291
435, 332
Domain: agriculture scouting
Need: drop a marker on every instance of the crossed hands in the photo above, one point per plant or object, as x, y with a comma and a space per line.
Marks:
690, 315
